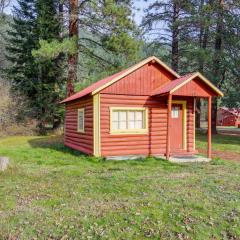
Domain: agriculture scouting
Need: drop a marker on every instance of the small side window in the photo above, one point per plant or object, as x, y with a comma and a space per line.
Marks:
81, 120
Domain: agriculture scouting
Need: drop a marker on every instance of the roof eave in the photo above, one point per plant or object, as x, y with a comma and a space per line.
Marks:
205, 80
197, 74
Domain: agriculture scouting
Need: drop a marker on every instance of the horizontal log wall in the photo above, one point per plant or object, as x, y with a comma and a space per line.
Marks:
72, 138
154, 142
190, 124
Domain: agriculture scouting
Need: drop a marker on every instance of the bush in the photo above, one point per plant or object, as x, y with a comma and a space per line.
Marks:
12, 109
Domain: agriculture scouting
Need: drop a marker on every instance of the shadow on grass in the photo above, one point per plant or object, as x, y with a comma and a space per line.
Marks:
56, 143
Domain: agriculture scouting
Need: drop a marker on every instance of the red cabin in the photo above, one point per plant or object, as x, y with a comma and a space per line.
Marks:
147, 109
228, 117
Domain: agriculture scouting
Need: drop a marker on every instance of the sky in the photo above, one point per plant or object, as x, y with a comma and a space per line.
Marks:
139, 6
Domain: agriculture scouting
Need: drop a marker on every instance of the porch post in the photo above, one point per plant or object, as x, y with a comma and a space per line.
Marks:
209, 127
168, 126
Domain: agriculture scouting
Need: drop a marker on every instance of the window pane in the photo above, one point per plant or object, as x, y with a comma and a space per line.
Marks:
139, 115
131, 125
115, 116
123, 125
175, 112
115, 125
131, 115
81, 120
139, 124
122, 116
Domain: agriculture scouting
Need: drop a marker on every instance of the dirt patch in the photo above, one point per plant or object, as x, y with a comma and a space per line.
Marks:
234, 156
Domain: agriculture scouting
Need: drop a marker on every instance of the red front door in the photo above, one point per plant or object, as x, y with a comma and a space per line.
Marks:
176, 132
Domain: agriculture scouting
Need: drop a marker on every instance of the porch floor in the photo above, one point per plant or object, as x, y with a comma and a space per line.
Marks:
175, 159
186, 159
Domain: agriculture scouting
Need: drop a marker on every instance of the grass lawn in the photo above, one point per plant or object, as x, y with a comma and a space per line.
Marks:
51, 192
220, 142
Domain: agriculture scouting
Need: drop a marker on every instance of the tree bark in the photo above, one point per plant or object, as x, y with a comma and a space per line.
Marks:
175, 36
214, 115
203, 39
73, 58
217, 60
198, 113
61, 18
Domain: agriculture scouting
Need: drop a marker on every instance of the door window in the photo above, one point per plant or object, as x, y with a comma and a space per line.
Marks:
175, 112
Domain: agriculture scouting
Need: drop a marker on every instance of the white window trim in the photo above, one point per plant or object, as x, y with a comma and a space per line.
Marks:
81, 110
129, 131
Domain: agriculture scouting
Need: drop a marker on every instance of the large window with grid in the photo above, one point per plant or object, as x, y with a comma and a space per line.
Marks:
129, 120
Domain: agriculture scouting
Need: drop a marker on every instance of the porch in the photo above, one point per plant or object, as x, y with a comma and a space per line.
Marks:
191, 85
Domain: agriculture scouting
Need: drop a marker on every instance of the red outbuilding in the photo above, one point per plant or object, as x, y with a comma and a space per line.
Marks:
145, 110
228, 117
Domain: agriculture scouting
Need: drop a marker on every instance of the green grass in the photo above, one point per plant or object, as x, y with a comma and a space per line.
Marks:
220, 142
51, 192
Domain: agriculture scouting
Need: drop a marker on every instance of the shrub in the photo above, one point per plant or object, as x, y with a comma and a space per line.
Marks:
12, 113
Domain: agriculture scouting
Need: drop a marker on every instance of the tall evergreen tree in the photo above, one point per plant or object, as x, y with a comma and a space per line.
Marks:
50, 73
208, 40
73, 57
39, 80
22, 38
106, 39
165, 19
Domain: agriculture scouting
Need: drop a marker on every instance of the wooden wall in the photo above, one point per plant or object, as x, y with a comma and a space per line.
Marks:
72, 138
141, 82
195, 88
225, 118
152, 143
190, 124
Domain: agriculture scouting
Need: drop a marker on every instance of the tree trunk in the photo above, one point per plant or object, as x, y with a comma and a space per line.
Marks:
217, 60
203, 39
214, 115
73, 58
175, 36
198, 113
61, 18
56, 122
41, 128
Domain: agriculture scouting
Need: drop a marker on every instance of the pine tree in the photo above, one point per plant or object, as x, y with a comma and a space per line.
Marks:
74, 35
22, 38
170, 13
105, 41
50, 80
39, 80
208, 41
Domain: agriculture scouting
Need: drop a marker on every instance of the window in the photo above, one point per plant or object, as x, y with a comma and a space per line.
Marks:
175, 112
81, 120
128, 120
